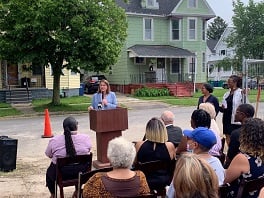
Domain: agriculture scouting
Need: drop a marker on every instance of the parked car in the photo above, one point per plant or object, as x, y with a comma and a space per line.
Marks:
92, 83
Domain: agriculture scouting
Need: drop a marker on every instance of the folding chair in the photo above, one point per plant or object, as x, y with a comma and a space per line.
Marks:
224, 189
84, 177
247, 186
68, 168
153, 166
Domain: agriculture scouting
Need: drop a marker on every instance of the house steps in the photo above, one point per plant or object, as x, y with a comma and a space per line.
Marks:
181, 89
19, 97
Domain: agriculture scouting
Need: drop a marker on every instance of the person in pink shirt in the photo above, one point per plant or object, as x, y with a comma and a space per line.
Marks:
70, 143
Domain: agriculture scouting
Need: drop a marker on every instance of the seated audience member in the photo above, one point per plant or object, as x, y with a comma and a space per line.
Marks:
156, 147
249, 164
194, 177
71, 143
199, 141
121, 181
174, 132
209, 108
243, 112
261, 194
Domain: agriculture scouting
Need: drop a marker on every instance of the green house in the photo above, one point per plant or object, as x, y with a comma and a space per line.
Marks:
166, 43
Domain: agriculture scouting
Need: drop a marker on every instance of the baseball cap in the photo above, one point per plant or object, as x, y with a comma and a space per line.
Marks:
202, 135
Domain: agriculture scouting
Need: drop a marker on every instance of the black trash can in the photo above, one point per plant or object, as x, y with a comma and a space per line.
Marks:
81, 90
8, 153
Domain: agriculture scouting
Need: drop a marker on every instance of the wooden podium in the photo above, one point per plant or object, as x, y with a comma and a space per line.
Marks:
107, 124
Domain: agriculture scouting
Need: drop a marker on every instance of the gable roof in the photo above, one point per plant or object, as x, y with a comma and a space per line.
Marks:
166, 8
211, 43
225, 34
158, 51
134, 6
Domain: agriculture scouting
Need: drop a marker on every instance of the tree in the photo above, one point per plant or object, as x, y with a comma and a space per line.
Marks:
248, 24
216, 28
70, 34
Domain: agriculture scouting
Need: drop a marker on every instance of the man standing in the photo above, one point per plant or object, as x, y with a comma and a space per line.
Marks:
174, 132
243, 112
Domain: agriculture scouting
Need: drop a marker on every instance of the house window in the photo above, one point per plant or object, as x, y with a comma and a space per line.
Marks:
222, 52
148, 29
175, 29
192, 4
191, 65
203, 30
139, 61
203, 63
175, 65
36, 69
192, 29
150, 2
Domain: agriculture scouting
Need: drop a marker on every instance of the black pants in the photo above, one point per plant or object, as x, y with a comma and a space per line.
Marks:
68, 172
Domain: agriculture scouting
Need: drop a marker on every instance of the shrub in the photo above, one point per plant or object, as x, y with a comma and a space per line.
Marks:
151, 92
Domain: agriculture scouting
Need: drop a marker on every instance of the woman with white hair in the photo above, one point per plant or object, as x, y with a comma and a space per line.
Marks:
121, 181
209, 108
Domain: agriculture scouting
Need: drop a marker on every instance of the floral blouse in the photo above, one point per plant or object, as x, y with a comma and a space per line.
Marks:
256, 170
100, 185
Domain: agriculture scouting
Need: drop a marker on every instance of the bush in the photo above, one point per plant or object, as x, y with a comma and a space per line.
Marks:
151, 92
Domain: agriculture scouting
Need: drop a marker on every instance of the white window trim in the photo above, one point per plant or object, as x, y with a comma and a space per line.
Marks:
152, 28
180, 27
192, 7
188, 28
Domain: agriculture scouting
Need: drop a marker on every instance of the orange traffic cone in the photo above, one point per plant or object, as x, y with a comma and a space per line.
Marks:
47, 126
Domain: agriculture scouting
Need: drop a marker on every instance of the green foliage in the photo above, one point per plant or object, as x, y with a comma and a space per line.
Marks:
75, 34
151, 92
248, 22
227, 63
216, 28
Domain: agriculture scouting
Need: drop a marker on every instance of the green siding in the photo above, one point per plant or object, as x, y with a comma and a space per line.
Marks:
125, 68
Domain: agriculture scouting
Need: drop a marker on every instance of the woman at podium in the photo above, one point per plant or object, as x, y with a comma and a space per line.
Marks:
104, 98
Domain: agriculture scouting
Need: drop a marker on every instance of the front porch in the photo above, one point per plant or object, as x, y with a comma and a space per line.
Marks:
180, 89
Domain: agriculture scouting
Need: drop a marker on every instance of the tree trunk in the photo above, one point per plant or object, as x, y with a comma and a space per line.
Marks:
56, 85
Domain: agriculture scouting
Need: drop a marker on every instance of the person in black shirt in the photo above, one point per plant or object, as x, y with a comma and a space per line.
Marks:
243, 112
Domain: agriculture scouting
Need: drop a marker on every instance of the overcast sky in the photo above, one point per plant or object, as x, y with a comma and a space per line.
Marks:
223, 8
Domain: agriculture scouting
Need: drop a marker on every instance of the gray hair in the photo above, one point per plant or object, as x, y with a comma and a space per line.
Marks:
121, 153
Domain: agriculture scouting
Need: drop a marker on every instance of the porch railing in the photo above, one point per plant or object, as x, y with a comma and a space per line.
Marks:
174, 78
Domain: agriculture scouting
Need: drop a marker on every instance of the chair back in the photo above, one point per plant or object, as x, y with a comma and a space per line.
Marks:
84, 177
68, 168
224, 190
247, 186
152, 166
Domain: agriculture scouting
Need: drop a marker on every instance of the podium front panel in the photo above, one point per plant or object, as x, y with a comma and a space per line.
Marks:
108, 120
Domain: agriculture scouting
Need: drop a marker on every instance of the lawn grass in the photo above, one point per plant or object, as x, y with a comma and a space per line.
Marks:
8, 110
192, 101
69, 104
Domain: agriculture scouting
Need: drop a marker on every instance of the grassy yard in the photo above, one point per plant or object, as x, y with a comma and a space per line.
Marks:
192, 101
71, 104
